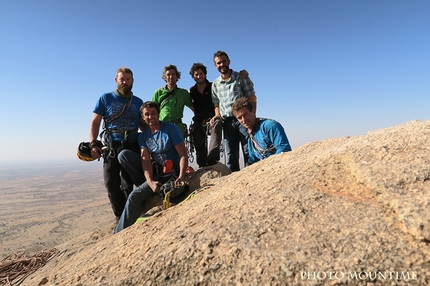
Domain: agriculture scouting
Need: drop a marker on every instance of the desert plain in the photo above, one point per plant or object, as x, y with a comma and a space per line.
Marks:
43, 205
356, 206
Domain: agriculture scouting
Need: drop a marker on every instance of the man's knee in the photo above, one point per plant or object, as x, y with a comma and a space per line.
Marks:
128, 157
216, 127
139, 195
217, 123
123, 156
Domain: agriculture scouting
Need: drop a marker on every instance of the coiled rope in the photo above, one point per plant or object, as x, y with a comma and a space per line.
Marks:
17, 266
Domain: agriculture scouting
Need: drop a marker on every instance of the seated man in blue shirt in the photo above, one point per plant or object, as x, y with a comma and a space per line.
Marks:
266, 136
159, 143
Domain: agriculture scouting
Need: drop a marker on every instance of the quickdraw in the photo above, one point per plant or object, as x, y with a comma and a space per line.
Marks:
189, 143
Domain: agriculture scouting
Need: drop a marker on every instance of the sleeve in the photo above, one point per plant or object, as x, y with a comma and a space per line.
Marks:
215, 99
247, 87
175, 134
188, 100
251, 155
101, 106
141, 140
156, 97
279, 138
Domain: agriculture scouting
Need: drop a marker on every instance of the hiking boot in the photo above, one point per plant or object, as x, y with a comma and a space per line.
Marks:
116, 224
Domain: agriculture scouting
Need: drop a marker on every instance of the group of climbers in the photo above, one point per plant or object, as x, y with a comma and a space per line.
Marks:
139, 138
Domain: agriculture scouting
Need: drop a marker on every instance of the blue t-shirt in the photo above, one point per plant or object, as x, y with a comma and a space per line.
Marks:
161, 144
111, 103
268, 138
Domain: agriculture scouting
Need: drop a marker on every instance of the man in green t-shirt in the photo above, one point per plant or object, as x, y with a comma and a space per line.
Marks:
172, 99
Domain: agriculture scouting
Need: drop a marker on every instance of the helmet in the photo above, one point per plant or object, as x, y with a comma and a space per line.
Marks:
84, 151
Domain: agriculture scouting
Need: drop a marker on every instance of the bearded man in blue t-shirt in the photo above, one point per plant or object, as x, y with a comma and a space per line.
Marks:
120, 112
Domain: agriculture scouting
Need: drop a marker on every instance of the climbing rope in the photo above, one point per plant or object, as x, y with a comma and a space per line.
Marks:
192, 194
15, 268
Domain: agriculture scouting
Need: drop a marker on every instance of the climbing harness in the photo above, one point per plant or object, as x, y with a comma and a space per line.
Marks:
106, 134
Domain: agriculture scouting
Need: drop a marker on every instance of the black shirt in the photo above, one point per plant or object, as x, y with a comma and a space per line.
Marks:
203, 105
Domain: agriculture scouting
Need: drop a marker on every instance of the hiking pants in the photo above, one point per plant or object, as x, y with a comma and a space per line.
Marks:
235, 133
133, 206
132, 163
200, 141
117, 181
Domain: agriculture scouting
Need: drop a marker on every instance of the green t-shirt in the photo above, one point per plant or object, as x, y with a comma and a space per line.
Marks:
172, 103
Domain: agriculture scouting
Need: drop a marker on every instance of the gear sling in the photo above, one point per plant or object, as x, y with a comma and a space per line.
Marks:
105, 135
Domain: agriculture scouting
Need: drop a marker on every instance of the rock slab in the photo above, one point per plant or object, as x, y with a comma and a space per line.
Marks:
350, 210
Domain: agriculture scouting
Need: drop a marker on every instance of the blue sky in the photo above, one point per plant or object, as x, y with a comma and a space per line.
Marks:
322, 68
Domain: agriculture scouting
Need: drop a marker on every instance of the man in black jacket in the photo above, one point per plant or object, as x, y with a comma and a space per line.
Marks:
201, 96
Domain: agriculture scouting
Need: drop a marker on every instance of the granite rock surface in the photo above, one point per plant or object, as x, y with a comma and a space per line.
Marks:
350, 210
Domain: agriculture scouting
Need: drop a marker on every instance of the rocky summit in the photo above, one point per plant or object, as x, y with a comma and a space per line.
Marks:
350, 210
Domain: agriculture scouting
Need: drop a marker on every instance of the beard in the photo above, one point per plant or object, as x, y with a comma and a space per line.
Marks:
125, 88
200, 81
224, 69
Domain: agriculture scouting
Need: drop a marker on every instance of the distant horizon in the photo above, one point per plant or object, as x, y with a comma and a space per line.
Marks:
58, 163
73, 161
323, 69
61, 163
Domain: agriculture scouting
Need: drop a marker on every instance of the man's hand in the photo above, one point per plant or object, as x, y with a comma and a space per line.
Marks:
155, 186
243, 74
179, 181
215, 118
96, 152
